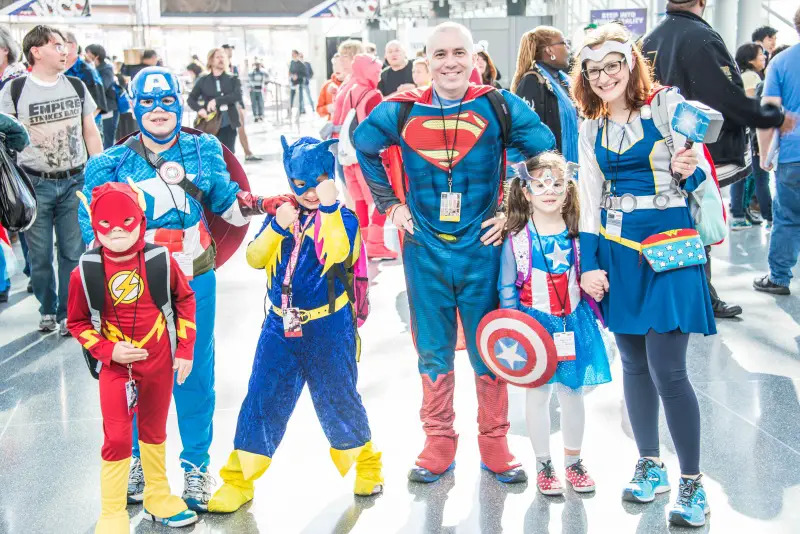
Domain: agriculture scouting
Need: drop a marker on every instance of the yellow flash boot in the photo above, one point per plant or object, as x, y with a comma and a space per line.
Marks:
160, 505
368, 467
113, 496
238, 475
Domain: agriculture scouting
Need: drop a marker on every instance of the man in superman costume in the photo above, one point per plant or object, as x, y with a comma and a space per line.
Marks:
452, 148
180, 175
309, 335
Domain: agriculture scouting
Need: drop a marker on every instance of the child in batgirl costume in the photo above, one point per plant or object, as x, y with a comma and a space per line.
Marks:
139, 345
309, 334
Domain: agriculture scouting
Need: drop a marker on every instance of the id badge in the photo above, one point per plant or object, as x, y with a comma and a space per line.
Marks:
223, 107
131, 395
450, 207
614, 223
292, 327
565, 345
185, 262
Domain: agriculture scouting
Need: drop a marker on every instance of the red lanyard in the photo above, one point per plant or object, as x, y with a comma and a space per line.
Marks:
298, 233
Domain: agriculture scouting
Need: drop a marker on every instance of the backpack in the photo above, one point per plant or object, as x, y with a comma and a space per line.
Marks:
18, 83
705, 203
521, 247
353, 276
157, 271
347, 149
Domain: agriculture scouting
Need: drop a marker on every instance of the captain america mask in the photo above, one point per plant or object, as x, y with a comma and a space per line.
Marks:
156, 96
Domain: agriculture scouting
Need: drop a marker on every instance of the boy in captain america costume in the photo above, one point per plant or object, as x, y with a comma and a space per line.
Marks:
180, 174
452, 152
309, 334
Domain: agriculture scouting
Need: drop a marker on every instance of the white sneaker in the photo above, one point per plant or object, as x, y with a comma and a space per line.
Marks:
197, 485
47, 323
63, 331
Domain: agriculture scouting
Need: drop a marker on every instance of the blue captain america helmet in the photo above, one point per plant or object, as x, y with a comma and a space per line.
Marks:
156, 84
306, 159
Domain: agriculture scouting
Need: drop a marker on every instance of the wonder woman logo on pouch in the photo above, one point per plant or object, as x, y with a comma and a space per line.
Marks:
426, 136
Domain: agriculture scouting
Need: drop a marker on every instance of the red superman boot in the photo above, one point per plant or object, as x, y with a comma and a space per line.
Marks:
492, 427
437, 417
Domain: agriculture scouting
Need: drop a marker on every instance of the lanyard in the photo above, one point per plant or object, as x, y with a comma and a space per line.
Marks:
450, 152
298, 233
561, 302
615, 172
135, 308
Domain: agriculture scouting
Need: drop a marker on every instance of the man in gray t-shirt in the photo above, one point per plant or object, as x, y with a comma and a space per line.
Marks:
53, 115
63, 134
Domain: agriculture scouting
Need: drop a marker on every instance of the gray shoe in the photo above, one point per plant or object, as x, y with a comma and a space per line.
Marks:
136, 482
47, 323
63, 331
197, 485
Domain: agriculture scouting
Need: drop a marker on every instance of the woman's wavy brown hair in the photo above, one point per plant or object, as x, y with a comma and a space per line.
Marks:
640, 84
490, 74
519, 209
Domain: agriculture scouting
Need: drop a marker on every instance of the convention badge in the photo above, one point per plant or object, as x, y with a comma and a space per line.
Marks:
131, 395
614, 223
565, 345
450, 207
292, 327
223, 107
172, 172
185, 262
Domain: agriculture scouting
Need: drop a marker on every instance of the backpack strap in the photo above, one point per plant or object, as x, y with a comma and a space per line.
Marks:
521, 247
134, 144
79, 87
93, 279
157, 270
16, 91
402, 118
500, 107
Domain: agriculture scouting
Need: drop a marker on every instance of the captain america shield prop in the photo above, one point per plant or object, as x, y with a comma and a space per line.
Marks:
517, 348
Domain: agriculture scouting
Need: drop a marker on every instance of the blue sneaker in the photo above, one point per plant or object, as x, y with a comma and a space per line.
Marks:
740, 224
691, 508
182, 519
512, 476
420, 474
648, 481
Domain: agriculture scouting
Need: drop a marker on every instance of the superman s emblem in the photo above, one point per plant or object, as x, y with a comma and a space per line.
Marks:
426, 136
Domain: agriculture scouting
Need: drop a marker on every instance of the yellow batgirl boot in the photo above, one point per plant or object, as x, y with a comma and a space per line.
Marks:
113, 495
368, 467
160, 505
368, 471
238, 475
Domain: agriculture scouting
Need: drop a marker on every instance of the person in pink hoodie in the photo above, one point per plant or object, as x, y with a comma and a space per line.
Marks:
363, 95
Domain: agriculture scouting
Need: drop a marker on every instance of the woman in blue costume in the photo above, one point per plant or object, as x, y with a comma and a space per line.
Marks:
539, 275
627, 195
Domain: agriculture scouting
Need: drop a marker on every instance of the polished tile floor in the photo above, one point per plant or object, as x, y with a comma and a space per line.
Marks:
747, 379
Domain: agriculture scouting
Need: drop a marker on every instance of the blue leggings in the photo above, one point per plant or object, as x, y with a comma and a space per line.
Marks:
653, 366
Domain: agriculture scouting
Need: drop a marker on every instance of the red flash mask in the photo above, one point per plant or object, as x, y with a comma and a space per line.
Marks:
114, 203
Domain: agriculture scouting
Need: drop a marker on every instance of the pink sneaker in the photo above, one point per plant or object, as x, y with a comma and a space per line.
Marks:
547, 481
579, 478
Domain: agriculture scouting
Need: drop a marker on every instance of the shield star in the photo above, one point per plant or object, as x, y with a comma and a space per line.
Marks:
510, 355
559, 256
163, 194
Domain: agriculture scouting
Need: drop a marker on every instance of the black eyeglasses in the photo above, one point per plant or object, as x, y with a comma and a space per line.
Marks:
611, 69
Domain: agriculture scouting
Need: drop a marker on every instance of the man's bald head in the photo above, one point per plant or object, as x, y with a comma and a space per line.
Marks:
448, 27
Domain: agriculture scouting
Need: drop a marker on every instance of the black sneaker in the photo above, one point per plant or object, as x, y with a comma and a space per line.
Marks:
30, 287
768, 286
4, 296
252, 157
723, 310
754, 218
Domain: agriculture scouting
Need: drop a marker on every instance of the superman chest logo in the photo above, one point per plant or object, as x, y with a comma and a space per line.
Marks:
440, 141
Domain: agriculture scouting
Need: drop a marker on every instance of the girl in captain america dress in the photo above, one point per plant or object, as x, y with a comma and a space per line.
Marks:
539, 275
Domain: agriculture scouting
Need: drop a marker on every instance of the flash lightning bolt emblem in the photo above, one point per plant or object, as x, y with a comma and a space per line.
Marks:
125, 287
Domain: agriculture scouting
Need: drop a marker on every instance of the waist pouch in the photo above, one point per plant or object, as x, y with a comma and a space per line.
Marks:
674, 249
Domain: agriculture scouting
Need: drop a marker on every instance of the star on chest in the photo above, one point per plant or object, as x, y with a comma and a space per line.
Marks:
559, 256
165, 196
